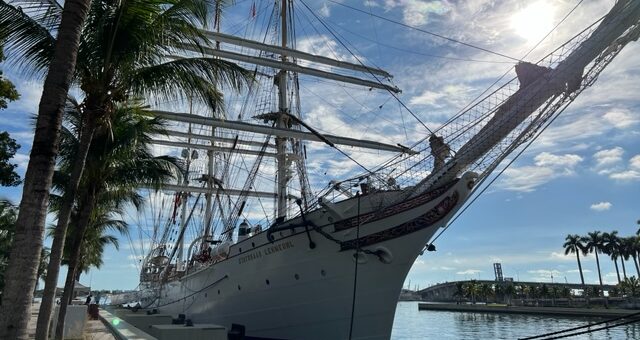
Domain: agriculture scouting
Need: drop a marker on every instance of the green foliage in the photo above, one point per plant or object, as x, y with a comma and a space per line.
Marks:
573, 244
8, 148
8, 92
630, 286
8, 216
42, 266
471, 290
123, 49
119, 161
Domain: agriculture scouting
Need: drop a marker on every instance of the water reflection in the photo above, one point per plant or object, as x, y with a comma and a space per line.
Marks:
412, 324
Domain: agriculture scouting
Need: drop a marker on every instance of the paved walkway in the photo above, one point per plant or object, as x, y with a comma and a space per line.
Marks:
95, 329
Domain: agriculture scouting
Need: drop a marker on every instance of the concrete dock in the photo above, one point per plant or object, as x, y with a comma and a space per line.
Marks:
94, 329
559, 311
123, 324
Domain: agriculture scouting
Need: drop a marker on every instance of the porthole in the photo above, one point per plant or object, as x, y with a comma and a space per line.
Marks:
218, 291
267, 281
205, 294
253, 244
239, 250
323, 273
239, 287
297, 277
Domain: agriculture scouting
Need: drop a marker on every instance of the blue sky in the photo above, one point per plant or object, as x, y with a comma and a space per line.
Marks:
582, 174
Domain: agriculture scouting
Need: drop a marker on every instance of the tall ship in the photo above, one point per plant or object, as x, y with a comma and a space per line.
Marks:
244, 238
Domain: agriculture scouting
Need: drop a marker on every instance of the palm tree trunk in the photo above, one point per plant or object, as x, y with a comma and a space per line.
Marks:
615, 262
624, 270
599, 274
580, 268
74, 258
57, 247
27, 243
79, 268
635, 261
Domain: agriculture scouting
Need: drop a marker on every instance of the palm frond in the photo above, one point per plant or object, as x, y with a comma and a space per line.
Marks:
197, 78
29, 41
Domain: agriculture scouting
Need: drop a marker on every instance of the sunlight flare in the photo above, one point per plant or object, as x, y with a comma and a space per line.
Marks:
534, 21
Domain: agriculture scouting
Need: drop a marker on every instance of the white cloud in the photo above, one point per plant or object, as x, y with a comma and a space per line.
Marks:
324, 11
602, 206
634, 162
417, 12
560, 256
608, 157
325, 46
426, 98
578, 271
547, 167
448, 96
544, 272
22, 160
618, 173
621, 118
549, 159
469, 272
629, 175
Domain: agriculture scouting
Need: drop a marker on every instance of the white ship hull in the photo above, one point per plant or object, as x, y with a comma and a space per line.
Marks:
285, 290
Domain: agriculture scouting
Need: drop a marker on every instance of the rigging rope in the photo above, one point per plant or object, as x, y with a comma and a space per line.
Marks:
530, 142
378, 43
361, 63
425, 31
545, 335
355, 272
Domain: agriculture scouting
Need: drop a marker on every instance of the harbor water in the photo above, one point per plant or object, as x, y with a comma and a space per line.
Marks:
410, 323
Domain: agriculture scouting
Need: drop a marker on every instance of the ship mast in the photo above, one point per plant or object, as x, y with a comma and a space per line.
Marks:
282, 118
210, 157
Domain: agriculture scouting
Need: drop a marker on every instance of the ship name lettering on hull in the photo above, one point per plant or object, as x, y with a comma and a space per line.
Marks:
267, 251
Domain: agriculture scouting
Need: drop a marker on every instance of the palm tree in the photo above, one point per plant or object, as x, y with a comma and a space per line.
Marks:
509, 291
593, 243
471, 290
634, 247
459, 293
8, 215
573, 244
96, 237
486, 291
625, 253
119, 161
630, 286
42, 268
23, 266
122, 54
612, 248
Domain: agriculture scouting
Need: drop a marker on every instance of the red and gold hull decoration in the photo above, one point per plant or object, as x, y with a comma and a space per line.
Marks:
432, 216
393, 210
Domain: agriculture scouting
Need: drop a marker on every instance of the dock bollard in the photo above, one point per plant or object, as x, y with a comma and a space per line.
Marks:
236, 332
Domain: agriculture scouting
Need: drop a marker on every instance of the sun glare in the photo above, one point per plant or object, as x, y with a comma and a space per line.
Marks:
534, 21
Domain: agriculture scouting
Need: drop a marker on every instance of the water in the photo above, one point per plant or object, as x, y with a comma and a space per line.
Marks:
410, 323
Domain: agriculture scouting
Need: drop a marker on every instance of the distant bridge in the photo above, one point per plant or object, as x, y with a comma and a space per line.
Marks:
445, 291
